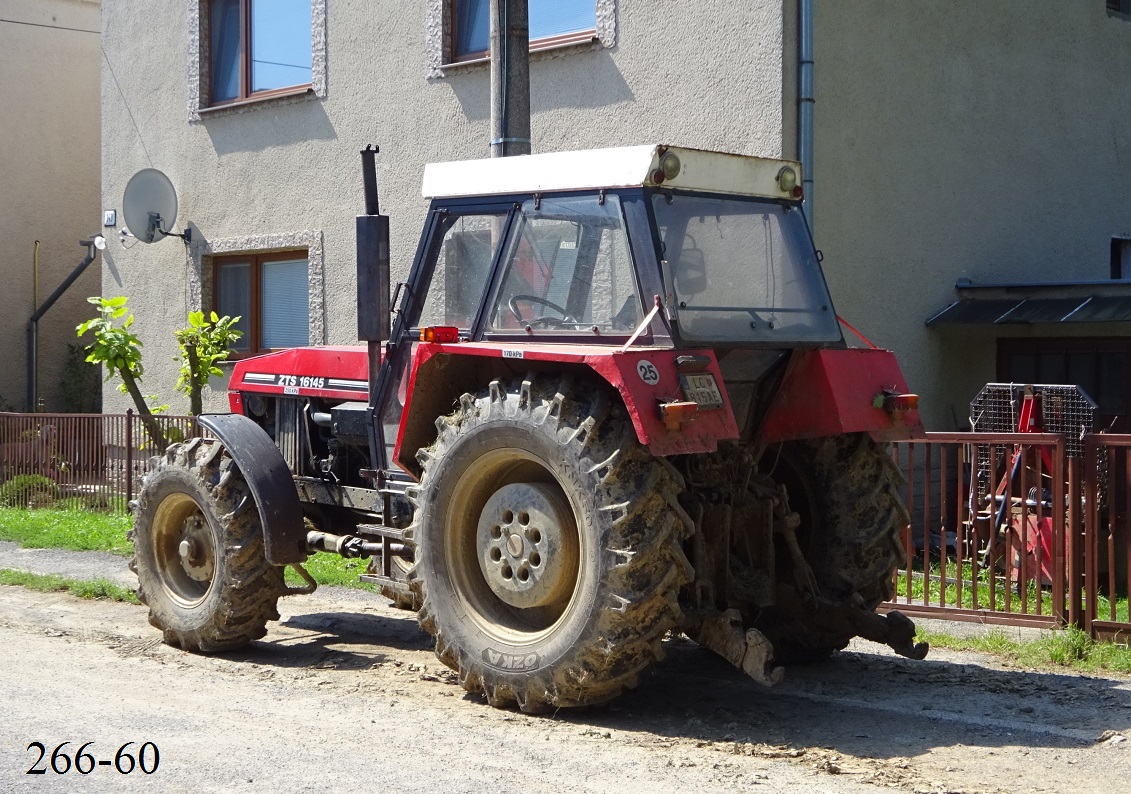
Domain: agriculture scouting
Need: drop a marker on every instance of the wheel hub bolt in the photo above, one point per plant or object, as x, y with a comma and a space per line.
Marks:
514, 545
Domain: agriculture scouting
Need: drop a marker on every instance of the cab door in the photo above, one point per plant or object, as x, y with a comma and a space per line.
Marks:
457, 254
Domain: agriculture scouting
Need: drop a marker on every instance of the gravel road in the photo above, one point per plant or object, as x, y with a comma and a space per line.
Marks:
345, 694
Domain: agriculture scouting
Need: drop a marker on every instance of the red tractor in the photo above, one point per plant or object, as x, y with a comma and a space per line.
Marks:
615, 402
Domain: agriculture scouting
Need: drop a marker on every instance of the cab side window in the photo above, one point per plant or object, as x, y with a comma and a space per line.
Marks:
567, 269
463, 265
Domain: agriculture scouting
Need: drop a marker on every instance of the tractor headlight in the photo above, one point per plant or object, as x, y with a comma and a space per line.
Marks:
787, 179
670, 165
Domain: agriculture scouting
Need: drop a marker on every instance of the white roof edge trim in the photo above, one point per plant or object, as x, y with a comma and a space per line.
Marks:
618, 167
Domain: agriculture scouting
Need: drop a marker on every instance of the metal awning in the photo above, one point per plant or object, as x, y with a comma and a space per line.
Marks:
1029, 304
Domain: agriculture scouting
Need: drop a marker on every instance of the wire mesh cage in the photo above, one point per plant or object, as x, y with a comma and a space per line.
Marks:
1063, 409
1057, 408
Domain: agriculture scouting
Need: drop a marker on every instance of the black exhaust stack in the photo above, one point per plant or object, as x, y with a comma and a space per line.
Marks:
372, 286
372, 260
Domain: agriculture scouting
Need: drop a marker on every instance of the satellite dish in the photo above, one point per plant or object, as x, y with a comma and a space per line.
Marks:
150, 205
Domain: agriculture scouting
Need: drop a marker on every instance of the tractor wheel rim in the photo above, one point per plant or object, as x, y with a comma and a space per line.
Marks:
512, 610
527, 546
185, 550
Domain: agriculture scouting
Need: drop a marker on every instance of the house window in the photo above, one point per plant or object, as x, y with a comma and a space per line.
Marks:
258, 48
1119, 6
270, 295
552, 22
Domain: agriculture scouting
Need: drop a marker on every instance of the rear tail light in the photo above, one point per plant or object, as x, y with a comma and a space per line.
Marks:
675, 414
439, 333
896, 403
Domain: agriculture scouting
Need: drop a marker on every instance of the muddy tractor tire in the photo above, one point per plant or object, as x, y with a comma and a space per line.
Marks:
548, 545
847, 491
198, 551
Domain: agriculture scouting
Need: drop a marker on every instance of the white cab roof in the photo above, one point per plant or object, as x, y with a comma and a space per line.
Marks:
620, 167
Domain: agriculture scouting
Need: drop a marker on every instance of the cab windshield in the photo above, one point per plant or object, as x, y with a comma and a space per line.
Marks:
743, 270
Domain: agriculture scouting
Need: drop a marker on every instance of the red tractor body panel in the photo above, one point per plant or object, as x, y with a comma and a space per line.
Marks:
825, 392
646, 378
332, 372
829, 392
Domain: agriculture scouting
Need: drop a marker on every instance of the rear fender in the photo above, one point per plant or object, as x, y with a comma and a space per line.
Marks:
829, 392
270, 482
645, 379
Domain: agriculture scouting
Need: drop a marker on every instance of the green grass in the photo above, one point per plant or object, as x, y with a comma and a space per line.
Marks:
1001, 594
77, 530
83, 588
332, 571
1062, 648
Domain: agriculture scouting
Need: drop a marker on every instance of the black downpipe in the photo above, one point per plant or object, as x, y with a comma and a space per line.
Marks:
33, 324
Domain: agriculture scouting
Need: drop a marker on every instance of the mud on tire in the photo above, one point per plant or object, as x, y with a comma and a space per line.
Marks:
847, 490
198, 551
546, 480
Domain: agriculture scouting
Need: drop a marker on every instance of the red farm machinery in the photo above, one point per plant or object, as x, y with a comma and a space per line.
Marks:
611, 400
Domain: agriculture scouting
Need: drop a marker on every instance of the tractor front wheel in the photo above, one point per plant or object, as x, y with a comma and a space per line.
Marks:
198, 551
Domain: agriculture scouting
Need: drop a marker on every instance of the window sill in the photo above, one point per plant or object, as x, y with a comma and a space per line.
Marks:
553, 48
284, 96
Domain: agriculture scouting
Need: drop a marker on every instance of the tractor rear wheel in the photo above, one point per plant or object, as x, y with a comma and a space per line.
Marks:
198, 551
548, 545
846, 489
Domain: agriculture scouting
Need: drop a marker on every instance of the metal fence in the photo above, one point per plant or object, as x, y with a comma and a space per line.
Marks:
1011, 528
1006, 528
92, 461
1107, 535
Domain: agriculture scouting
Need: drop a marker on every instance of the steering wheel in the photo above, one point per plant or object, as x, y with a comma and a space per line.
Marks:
512, 304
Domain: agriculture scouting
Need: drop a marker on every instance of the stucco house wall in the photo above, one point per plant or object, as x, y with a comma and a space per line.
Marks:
966, 139
280, 173
961, 139
49, 179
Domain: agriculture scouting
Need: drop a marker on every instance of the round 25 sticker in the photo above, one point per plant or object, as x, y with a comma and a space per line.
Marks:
647, 372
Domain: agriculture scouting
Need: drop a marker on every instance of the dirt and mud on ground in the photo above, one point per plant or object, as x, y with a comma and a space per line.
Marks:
345, 694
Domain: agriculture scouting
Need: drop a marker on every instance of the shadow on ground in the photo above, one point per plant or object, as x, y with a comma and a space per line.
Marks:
858, 703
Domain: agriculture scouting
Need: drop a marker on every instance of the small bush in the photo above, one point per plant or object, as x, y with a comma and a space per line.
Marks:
29, 490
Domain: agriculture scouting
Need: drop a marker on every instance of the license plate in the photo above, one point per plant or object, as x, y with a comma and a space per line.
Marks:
701, 389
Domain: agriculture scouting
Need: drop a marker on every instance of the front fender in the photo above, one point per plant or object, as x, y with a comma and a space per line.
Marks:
270, 482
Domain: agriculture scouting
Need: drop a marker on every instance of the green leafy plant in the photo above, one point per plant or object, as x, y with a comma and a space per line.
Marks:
26, 490
204, 344
119, 350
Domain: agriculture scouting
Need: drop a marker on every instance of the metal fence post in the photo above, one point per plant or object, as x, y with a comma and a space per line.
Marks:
1062, 525
1091, 535
1072, 552
129, 455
